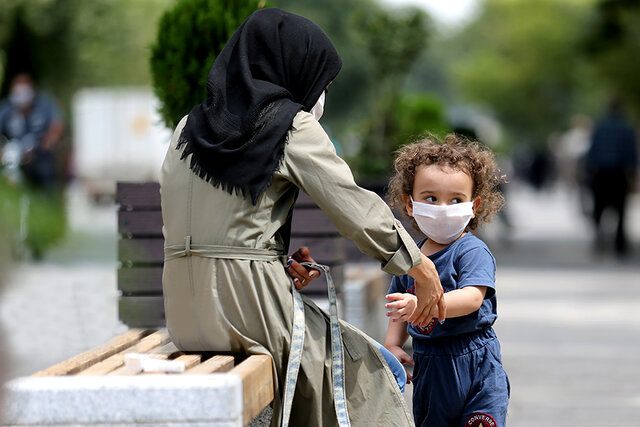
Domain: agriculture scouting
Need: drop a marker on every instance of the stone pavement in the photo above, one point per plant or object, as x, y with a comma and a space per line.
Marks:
66, 304
568, 318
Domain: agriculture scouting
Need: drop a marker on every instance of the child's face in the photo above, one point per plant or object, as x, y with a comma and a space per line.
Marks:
441, 185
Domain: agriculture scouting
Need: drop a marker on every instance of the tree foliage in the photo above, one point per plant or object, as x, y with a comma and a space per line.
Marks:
521, 58
37, 39
379, 48
394, 40
350, 93
190, 37
70, 44
612, 44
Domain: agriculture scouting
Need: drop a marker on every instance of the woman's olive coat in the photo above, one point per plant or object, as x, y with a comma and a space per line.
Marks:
245, 305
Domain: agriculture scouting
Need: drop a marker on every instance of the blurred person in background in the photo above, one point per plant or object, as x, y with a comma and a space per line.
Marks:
571, 154
611, 164
32, 122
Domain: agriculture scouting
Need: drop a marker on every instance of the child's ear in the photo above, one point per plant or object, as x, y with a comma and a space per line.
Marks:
408, 204
476, 205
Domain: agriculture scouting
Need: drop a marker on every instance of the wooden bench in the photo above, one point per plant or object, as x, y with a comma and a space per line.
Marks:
214, 389
141, 251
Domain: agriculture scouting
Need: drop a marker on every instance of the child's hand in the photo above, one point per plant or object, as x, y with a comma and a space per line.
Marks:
403, 357
401, 306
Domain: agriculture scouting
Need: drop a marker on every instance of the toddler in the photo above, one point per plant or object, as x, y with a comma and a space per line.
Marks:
449, 188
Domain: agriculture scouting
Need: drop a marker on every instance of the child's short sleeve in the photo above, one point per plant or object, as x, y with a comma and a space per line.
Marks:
477, 267
398, 284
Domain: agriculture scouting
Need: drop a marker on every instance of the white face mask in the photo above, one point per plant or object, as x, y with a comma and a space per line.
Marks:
442, 224
22, 95
318, 109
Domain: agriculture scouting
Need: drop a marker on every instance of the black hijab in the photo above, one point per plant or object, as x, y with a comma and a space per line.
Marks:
274, 65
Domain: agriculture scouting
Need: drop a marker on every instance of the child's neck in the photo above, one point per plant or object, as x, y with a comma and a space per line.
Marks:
430, 247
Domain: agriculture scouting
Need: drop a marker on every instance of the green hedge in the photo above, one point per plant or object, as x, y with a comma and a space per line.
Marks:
190, 37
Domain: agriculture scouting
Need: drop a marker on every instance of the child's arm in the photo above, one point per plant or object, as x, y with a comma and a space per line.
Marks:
397, 335
461, 302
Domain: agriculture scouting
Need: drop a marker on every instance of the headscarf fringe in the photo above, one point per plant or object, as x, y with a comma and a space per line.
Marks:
209, 177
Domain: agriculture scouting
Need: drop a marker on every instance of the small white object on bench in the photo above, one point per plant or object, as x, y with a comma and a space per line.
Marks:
136, 362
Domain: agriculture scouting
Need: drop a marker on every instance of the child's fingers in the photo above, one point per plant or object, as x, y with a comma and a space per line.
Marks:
395, 305
394, 297
405, 359
394, 315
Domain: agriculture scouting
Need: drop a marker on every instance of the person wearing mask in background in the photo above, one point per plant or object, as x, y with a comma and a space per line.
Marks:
32, 120
611, 164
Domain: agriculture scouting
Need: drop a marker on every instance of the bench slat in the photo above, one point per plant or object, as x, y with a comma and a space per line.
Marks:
257, 385
142, 311
140, 280
140, 223
138, 195
217, 364
325, 250
81, 361
145, 250
190, 360
114, 362
311, 222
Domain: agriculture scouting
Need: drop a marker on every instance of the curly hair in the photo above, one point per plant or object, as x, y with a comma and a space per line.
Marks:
455, 152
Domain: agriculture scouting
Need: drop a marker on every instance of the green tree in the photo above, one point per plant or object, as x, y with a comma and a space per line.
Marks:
379, 48
612, 43
190, 37
415, 114
69, 44
350, 94
394, 40
521, 58
36, 38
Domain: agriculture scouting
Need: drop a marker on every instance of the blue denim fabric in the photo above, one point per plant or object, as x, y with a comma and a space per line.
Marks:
394, 364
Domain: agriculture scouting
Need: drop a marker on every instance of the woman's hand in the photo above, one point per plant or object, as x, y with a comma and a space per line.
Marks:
301, 275
403, 357
401, 306
429, 293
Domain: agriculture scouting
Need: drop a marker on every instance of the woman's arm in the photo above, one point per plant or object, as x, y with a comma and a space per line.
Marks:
311, 163
431, 302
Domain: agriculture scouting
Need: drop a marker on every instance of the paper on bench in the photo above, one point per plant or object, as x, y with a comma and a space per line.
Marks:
136, 362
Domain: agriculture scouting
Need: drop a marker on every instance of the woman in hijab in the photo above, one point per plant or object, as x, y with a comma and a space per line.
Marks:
228, 184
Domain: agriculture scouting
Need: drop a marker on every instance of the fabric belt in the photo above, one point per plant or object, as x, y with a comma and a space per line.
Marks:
223, 252
299, 327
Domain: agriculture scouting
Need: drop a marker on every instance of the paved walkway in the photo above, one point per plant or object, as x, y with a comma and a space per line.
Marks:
568, 318
568, 321
68, 303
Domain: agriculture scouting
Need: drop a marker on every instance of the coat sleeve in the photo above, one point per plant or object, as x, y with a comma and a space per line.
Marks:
311, 163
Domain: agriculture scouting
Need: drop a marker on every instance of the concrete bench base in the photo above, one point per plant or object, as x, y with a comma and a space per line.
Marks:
167, 400
95, 388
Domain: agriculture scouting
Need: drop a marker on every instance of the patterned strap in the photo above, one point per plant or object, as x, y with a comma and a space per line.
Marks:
295, 355
337, 352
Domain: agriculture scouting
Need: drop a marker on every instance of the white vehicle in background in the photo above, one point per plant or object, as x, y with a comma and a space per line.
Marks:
117, 136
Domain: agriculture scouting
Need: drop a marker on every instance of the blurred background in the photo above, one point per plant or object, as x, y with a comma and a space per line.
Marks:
92, 89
